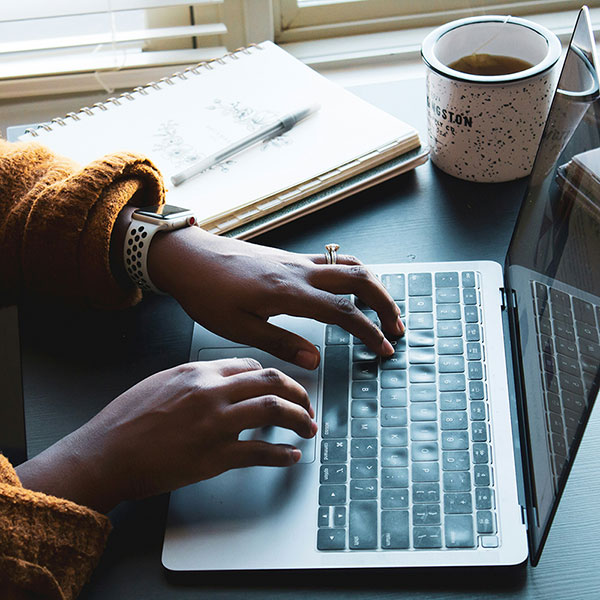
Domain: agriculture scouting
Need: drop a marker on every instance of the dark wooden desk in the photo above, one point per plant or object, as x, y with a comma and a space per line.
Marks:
75, 361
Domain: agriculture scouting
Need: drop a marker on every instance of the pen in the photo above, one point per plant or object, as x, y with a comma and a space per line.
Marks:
276, 128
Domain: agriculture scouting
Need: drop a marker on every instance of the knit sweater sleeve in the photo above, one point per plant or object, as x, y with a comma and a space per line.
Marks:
48, 546
56, 220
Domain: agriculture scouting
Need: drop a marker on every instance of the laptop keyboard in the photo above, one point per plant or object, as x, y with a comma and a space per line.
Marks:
406, 461
569, 347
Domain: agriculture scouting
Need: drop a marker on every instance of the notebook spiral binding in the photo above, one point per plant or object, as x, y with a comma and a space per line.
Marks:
143, 90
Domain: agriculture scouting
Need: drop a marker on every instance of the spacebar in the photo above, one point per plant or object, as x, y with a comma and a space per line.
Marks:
336, 379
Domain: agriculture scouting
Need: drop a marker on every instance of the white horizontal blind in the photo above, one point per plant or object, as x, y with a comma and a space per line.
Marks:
41, 39
300, 20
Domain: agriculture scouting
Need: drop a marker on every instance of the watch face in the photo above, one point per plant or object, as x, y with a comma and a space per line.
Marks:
166, 211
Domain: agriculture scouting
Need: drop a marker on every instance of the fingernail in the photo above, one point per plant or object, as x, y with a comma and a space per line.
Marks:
400, 324
386, 348
306, 359
296, 455
313, 428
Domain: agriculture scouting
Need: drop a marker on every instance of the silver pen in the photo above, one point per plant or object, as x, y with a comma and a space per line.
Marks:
274, 129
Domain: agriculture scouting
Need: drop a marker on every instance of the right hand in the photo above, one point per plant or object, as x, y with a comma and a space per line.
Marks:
172, 429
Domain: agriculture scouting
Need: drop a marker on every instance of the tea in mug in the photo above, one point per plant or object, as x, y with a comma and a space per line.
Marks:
489, 64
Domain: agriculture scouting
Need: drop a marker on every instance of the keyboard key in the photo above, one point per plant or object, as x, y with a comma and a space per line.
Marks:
421, 356
453, 401
454, 420
366, 428
426, 514
331, 539
393, 378
589, 349
481, 474
480, 453
473, 333
451, 364
564, 330
363, 489
423, 411
456, 460
458, 503
364, 370
455, 440
423, 392
363, 468
426, 492
363, 524
447, 296
339, 516
427, 537
450, 346
471, 314
420, 321
395, 361
394, 498
583, 311
476, 390
361, 353
457, 481
477, 410
363, 448
425, 471
567, 365
445, 280
452, 382
323, 517
422, 373
394, 417
395, 286
335, 335
332, 495
474, 351
419, 284
448, 312
334, 451
483, 498
394, 477
394, 529
426, 431
394, 457
391, 398
334, 421
333, 473
486, 523
469, 296
394, 436
361, 389
420, 338
420, 304
468, 279
421, 451
567, 348
458, 531
364, 408
449, 329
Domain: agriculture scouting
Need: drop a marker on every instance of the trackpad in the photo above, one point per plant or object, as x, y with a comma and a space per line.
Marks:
309, 380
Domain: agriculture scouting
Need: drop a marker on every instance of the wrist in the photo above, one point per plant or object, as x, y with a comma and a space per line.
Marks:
117, 242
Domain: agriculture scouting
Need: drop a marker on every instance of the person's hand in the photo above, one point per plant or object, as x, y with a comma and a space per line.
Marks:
172, 429
233, 287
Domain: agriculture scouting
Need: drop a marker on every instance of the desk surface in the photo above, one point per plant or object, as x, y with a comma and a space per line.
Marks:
75, 361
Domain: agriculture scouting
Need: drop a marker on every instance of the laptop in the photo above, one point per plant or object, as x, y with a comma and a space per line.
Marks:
456, 450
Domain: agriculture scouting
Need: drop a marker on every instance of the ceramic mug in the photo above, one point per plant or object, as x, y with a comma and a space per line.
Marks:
487, 127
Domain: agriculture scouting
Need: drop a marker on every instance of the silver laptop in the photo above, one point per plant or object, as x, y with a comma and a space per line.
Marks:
456, 450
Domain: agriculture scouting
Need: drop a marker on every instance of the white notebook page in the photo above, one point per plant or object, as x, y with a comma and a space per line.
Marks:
193, 118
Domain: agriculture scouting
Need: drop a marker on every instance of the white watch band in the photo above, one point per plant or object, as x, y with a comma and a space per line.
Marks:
135, 253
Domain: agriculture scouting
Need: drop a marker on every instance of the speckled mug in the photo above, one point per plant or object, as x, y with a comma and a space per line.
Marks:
487, 127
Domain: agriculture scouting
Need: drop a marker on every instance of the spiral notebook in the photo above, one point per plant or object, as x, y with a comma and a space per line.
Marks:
197, 112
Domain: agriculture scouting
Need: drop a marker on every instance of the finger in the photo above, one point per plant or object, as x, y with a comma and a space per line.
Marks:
340, 310
279, 342
266, 382
232, 366
342, 259
258, 453
358, 280
268, 411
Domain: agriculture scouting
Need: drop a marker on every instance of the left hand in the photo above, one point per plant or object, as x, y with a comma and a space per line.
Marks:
233, 287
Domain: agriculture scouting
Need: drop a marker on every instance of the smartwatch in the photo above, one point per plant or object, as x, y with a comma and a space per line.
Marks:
145, 222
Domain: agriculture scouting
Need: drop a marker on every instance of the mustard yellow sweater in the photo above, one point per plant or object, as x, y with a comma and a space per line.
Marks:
56, 221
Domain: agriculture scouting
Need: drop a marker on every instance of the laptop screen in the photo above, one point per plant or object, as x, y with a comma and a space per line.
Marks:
553, 278
12, 421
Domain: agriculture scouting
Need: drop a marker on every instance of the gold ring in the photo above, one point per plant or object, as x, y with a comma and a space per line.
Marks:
331, 253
